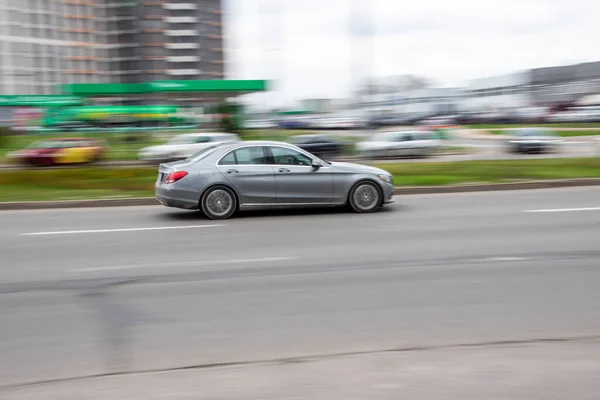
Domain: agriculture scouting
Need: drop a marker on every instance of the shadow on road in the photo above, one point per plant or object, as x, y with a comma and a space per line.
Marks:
287, 212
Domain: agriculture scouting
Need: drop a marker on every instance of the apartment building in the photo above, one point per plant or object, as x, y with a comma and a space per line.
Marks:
48, 42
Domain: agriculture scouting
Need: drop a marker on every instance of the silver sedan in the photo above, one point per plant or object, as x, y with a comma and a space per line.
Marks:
228, 177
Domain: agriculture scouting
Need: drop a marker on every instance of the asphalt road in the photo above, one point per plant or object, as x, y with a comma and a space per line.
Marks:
93, 291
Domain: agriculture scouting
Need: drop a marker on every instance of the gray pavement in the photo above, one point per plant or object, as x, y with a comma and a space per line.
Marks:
93, 291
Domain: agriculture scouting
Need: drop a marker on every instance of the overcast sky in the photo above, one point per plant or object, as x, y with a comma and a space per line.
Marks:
308, 45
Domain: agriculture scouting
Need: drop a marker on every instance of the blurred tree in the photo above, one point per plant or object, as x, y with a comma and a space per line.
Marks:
231, 119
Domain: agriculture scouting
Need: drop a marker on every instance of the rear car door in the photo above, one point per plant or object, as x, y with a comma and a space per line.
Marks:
251, 175
298, 182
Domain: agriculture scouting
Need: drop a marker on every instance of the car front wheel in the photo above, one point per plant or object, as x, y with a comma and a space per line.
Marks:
218, 203
365, 198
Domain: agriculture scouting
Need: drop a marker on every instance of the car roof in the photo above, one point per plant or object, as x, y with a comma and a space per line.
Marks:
255, 143
225, 147
311, 135
532, 129
195, 134
401, 132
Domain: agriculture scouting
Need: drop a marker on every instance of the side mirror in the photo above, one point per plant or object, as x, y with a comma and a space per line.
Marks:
315, 164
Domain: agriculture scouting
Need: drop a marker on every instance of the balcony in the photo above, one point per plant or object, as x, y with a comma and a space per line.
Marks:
182, 46
181, 32
180, 6
181, 20
179, 59
182, 72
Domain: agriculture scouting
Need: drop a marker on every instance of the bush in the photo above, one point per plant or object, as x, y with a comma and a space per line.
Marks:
5, 132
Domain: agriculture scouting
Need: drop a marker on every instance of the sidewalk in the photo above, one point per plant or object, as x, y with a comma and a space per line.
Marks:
537, 370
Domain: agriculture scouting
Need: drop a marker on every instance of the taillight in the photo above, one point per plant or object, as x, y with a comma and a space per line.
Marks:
175, 176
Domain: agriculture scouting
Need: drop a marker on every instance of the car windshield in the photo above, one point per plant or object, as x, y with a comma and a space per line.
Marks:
535, 132
50, 144
182, 140
300, 139
382, 137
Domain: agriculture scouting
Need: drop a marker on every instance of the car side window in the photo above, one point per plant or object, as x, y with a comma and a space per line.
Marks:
229, 159
285, 156
245, 155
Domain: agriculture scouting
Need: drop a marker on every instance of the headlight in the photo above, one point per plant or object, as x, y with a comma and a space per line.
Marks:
385, 178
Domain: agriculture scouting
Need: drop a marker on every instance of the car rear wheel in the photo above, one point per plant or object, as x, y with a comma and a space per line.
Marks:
365, 197
218, 203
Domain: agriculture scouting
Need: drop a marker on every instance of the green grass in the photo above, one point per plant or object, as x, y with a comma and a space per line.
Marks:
94, 183
447, 173
555, 125
76, 183
558, 132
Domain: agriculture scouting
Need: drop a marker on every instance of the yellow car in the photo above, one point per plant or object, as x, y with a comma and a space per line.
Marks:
61, 152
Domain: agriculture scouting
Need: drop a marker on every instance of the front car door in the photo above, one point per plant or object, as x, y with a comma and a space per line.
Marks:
298, 182
403, 145
248, 170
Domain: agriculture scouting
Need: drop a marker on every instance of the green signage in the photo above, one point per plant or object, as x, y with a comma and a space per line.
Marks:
208, 86
39, 100
198, 86
98, 89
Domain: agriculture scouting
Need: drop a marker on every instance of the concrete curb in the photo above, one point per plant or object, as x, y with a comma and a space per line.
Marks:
39, 205
407, 190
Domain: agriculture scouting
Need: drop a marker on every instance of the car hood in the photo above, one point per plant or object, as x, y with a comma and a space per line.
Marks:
351, 167
373, 145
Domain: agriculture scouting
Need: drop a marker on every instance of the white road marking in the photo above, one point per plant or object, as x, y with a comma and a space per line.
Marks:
506, 259
155, 228
555, 210
183, 264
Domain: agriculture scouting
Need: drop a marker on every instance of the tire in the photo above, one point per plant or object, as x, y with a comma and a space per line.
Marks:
218, 202
365, 197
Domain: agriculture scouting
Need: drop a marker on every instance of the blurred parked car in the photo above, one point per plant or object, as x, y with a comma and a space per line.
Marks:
183, 146
319, 145
400, 144
62, 151
440, 122
533, 140
259, 124
577, 114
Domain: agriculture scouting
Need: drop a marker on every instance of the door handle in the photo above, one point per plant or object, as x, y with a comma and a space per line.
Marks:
232, 171
284, 170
